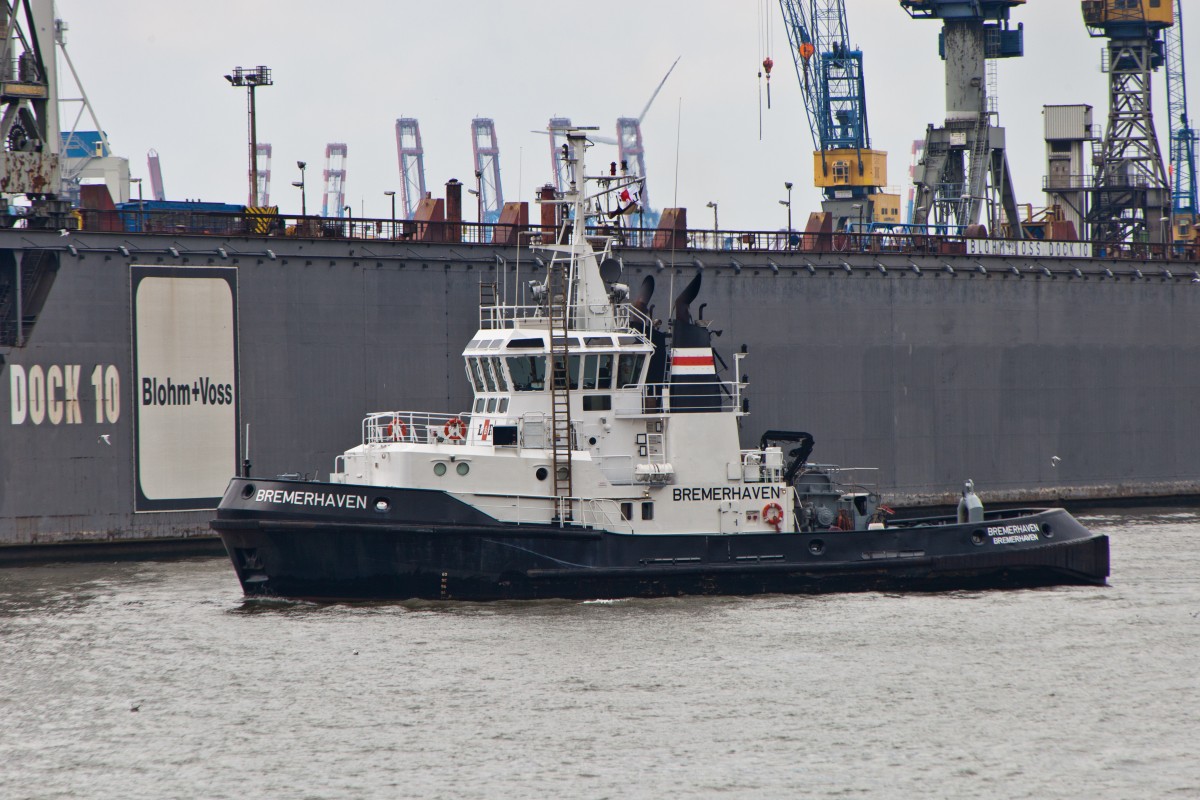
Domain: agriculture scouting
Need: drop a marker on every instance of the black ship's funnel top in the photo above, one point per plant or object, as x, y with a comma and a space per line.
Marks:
683, 311
641, 300
693, 372
658, 359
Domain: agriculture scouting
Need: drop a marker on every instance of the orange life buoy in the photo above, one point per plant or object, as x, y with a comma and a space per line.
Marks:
455, 429
773, 515
395, 430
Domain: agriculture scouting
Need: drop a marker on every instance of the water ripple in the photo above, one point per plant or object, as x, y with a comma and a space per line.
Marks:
159, 680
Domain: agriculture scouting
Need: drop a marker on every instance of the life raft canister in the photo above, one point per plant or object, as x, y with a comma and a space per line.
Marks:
773, 515
455, 429
395, 430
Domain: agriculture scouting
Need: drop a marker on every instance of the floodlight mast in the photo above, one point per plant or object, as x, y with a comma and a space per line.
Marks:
251, 78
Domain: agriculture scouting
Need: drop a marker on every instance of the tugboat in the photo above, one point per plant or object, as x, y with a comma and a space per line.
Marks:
601, 458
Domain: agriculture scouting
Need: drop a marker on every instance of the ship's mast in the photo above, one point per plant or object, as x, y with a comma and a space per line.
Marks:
589, 305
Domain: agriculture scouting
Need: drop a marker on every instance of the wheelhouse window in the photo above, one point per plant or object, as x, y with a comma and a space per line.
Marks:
629, 369
472, 376
528, 373
597, 371
498, 372
573, 369
485, 374
572, 372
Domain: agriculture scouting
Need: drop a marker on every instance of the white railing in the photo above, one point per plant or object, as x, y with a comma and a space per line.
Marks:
415, 427
847, 478
709, 396
629, 320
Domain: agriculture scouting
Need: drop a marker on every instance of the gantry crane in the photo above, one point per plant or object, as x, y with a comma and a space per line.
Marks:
1183, 136
486, 150
334, 202
1131, 192
849, 173
154, 167
262, 173
964, 167
411, 155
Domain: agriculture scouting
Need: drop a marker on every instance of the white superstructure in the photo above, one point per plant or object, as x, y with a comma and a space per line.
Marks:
575, 420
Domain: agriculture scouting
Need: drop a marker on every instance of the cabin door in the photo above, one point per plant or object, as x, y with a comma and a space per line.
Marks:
730, 517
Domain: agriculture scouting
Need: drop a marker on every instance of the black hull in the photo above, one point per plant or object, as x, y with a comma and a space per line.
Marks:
457, 553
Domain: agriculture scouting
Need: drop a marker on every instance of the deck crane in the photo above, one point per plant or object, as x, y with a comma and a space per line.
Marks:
845, 168
1183, 136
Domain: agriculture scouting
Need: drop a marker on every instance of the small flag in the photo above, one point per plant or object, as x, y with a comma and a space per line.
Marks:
628, 199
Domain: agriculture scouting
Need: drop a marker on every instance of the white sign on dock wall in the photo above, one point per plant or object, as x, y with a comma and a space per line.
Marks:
185, 389
1028, 248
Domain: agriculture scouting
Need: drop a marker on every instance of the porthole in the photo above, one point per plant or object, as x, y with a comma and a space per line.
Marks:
463, 468
816, 547
382, 505
592, 441
541, 473
439, 469
248, 491
562, 473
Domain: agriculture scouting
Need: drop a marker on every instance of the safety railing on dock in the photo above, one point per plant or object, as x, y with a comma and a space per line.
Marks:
910, 240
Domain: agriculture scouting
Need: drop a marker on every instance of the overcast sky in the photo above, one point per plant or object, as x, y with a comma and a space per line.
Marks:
344, 72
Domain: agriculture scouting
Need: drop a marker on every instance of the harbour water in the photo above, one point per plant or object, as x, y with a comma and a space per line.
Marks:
155, 680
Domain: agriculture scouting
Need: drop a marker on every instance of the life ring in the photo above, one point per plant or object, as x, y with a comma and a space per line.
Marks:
455, 429
773, 515
395, 430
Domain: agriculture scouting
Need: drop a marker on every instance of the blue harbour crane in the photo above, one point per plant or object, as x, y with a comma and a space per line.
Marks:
1183, 136
849, 173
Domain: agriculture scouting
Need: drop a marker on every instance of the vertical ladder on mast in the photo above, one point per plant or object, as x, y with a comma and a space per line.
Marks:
560, 389
981, 148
